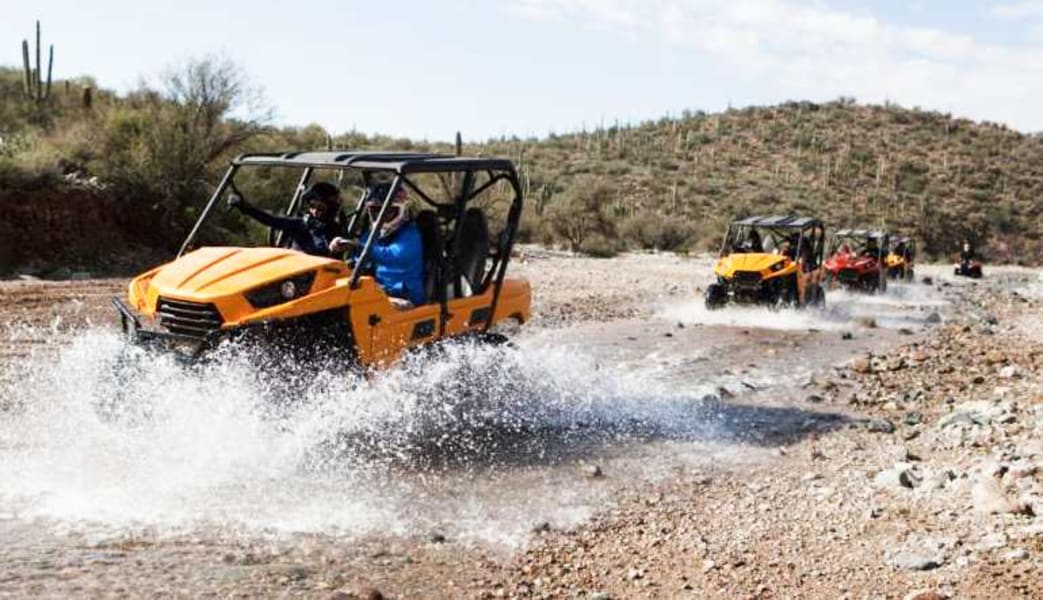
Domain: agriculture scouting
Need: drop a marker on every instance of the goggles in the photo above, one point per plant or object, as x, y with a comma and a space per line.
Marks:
392, 213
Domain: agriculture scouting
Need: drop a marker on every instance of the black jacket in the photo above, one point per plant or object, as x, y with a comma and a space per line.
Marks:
308, 234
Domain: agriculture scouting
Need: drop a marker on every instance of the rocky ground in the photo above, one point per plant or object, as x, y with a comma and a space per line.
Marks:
939, 494
917, 471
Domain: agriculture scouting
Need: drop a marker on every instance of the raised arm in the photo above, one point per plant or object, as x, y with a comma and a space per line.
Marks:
287, 224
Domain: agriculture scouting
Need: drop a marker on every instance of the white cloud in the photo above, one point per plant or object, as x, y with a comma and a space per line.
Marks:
812, 50
1018, 10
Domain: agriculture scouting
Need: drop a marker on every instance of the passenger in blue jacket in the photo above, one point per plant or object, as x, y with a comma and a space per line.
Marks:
311, 233
397, 253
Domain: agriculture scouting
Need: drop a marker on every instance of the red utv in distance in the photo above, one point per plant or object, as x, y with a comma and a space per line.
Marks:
967, 263
856, 260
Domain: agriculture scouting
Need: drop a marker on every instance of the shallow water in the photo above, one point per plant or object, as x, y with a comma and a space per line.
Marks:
902, 304
101, 434
477, 442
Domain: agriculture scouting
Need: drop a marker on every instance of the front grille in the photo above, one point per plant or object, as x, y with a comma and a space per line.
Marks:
747, 278
188, 318
847, 275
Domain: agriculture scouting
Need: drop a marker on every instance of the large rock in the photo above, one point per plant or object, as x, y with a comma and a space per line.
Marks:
1008, 372
995, 357
915, 561
988, 497
976, 412
880, 426
926, 595
901, 475
861, 364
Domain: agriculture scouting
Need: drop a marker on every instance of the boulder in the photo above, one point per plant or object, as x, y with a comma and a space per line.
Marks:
861, 364
988, 497
915, 561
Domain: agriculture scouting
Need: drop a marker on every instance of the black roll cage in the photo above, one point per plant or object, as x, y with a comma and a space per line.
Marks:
807, 228
400, 165
882, 238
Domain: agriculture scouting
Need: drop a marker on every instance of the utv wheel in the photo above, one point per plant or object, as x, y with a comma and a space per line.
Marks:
816, 297
786, 294
715, 296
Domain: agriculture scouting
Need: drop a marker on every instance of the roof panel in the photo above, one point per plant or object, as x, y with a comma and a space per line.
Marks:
859, 233
790, 221
399, 162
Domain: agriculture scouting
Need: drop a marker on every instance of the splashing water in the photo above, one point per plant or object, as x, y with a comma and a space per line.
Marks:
748, 316
107, 434
901, 305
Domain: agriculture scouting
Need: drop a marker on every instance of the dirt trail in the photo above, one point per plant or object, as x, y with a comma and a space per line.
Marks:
630, 445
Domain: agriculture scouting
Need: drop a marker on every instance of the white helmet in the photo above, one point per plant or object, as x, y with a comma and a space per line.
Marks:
395, 215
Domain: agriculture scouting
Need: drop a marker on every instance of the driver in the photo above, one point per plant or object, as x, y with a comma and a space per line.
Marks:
311, 233
789, 246
753, 242
967, 254
397, 253
899, 249
871, 249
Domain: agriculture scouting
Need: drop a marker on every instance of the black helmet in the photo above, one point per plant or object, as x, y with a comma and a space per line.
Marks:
324, 192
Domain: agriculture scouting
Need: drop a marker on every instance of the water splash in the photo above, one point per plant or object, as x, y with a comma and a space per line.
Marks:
902, 305
102, 433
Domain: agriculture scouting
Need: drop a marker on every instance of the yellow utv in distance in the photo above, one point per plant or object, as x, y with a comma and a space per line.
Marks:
773, 261
900, 261
282, 297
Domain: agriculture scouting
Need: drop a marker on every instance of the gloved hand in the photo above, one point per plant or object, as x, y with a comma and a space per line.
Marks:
234, 200
341, 244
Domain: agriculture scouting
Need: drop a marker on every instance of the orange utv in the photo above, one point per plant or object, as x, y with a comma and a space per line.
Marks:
212, 293
771, 261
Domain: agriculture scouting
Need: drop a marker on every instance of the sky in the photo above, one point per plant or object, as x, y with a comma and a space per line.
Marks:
426, 69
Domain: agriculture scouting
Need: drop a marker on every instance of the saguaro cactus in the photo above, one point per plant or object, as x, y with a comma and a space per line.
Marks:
35, 88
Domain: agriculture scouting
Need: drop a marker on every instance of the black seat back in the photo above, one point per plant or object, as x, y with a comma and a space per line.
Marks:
472, 252
431, 238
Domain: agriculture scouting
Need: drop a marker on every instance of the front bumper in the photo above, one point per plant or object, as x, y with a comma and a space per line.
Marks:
749, 290
189, 346
327, 333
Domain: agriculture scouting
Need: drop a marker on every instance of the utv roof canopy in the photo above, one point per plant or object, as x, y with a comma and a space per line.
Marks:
860, 233
396, 162
790, 221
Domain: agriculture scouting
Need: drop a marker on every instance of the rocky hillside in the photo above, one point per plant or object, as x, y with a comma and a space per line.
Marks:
669, 184
942, 178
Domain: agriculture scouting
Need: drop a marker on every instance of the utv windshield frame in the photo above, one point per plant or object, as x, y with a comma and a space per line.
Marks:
400, 166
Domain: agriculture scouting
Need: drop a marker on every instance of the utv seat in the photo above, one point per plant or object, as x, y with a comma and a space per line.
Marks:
434, 250
472, 254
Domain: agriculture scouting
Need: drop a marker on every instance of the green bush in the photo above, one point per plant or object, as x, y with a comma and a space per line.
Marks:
599, 246
653, 231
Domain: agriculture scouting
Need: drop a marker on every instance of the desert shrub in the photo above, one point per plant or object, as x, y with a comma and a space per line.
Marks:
600, 246
581, 213
167, 147
654, 231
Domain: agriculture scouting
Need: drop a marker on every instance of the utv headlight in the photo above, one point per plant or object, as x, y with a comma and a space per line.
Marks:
282, 291
288, 289
777, 267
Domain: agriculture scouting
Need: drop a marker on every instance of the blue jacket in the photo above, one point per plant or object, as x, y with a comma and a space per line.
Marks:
399, 263
308, 234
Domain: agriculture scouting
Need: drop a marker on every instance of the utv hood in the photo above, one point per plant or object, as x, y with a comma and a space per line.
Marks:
757, 262
210, 273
